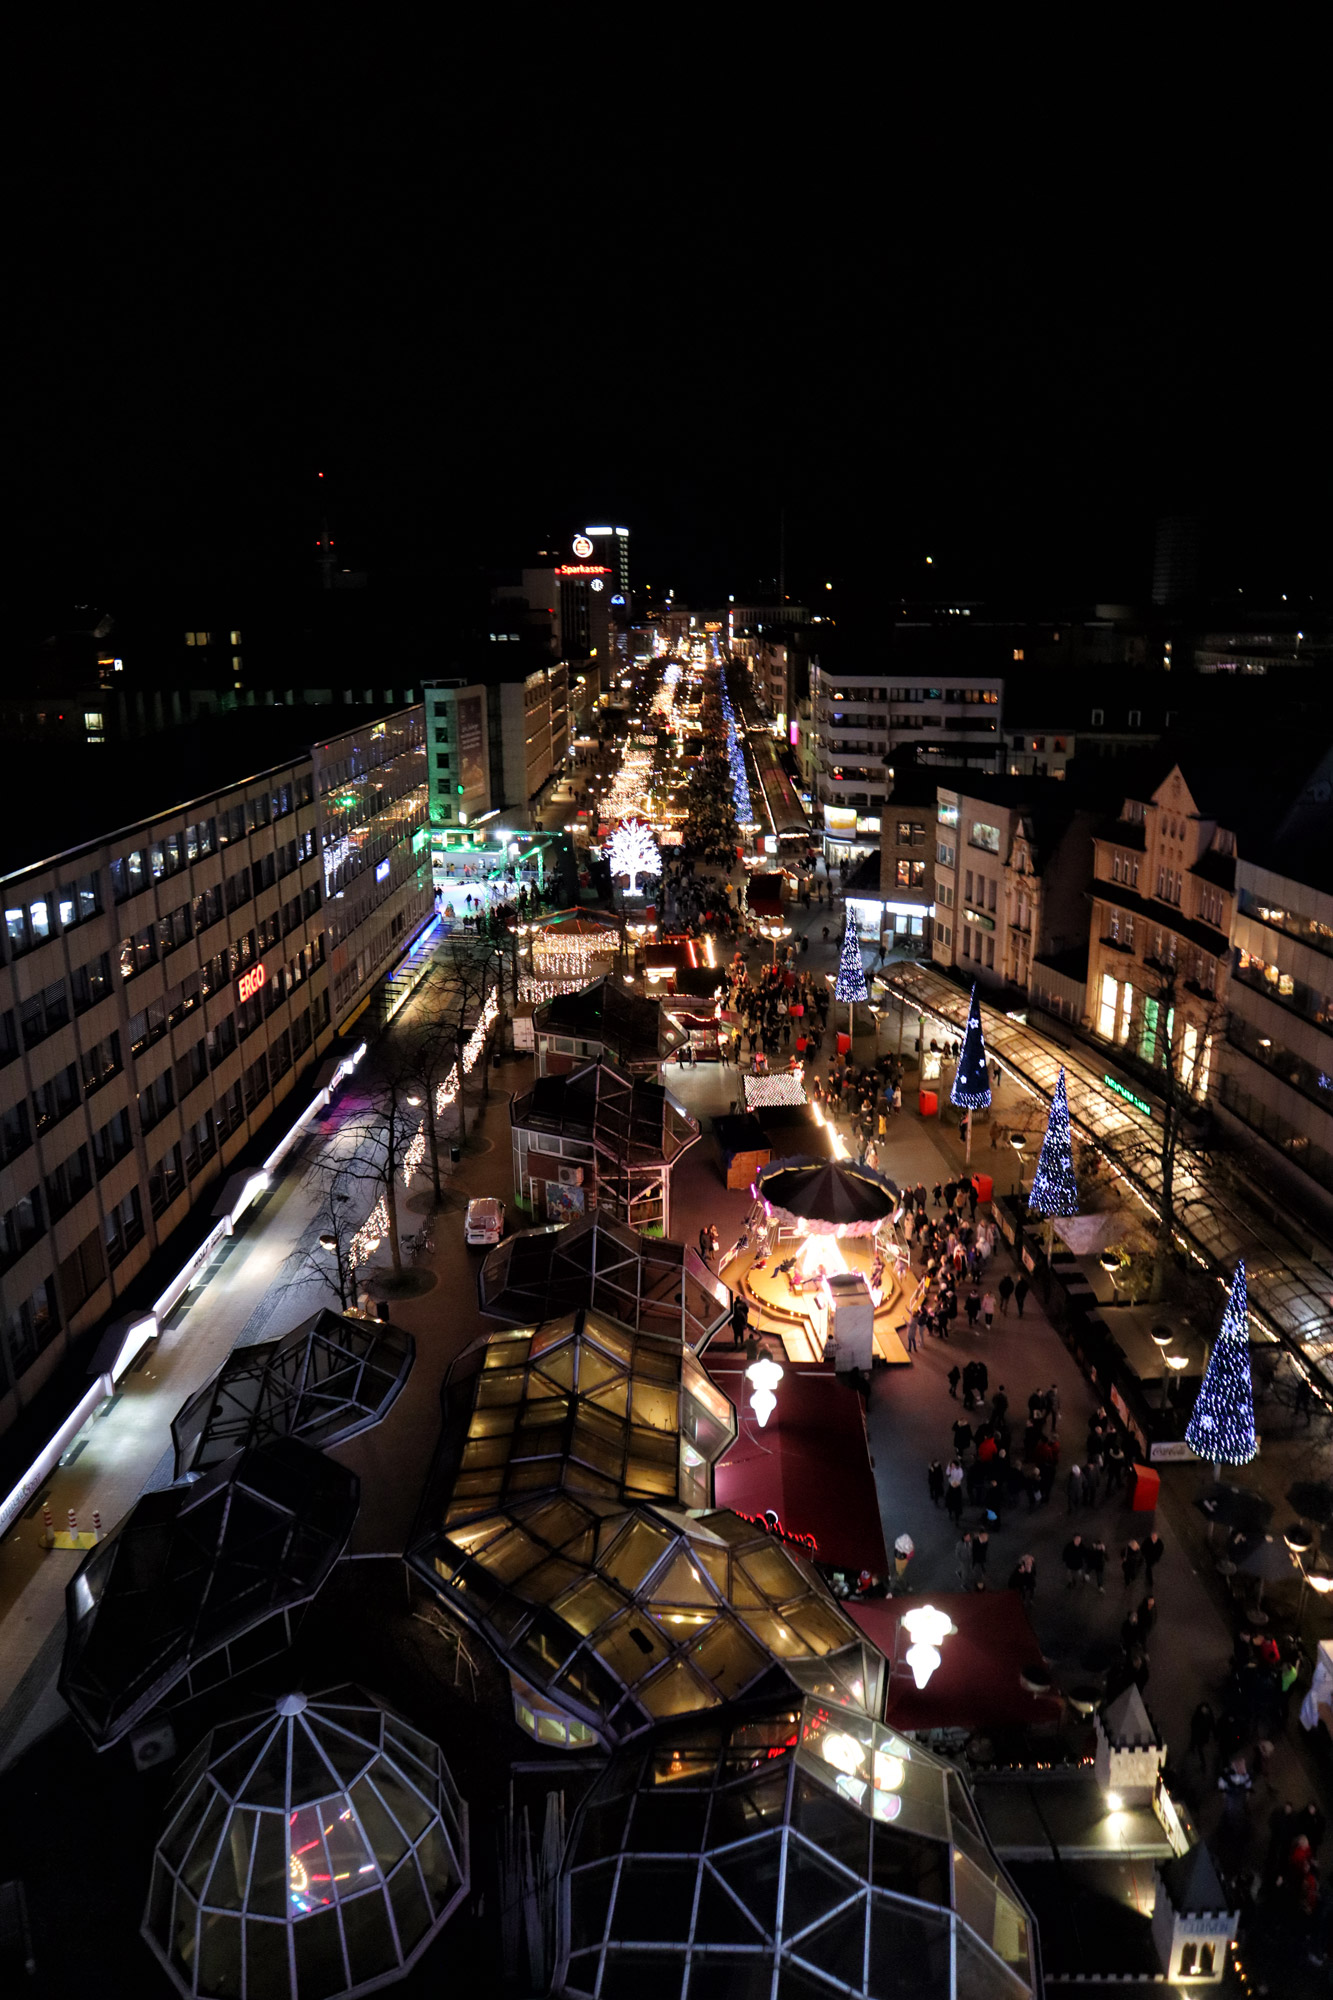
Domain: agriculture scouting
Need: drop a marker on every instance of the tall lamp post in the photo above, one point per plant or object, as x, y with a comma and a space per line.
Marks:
774, 932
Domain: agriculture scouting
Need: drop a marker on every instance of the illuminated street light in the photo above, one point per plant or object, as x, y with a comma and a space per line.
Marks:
927, 1628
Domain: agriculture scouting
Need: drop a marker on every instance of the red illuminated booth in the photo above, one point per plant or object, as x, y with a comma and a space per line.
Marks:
990, 1676
810, 1464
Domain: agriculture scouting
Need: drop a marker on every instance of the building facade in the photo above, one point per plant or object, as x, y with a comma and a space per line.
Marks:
866, 725
1163, 900
494, 747
1278, 1075
161, 993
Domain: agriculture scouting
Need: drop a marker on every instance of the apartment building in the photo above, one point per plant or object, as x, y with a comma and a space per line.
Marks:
1163, 901
162, 990
1013, 864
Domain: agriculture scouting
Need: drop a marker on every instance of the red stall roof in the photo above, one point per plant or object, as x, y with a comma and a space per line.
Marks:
810, 1463
977, 1683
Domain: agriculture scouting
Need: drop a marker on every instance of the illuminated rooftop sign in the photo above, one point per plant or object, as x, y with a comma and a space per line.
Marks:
584, 569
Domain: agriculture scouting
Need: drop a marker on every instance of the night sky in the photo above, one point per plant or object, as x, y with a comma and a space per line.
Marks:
489, 314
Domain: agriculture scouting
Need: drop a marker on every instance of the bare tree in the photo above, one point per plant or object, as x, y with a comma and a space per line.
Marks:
475, 969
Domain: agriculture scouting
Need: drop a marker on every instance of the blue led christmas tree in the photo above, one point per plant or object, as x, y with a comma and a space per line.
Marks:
970, 1089
1054, 1189
850, 984
1222, 1427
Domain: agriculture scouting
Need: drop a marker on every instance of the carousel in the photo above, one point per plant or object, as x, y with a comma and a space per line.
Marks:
820, 1263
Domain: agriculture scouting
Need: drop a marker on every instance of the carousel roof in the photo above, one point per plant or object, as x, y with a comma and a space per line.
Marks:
830, 1191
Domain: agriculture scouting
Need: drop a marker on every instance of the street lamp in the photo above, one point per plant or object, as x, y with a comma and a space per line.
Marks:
927, 1629
763, 1375
1162, 1337
774, 932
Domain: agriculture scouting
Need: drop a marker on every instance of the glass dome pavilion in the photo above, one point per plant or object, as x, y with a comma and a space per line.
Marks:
311, 1851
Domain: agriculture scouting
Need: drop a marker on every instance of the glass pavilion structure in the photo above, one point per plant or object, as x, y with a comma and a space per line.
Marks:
561, 1522
311, 1851
202, 1581
323, 1382
648, 1283
788, 1853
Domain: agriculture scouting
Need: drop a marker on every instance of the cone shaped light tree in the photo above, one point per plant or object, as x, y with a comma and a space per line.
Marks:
1054, 1190
1222, 1427
970, 1089
850, 984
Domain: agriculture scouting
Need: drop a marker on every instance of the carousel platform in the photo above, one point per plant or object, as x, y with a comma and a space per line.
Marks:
784, 1302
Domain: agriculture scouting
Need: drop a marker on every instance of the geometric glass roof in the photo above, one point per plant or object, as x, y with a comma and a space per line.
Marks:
200, 1581
555, 1525
630, 1121
323, 1382
794, 1851
312, 1850
634, 1032
646, 1282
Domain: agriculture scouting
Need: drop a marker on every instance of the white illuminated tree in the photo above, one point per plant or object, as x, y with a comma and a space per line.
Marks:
632, 851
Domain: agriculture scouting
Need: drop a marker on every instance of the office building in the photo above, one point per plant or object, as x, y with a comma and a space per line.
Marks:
162, 991
493, 747
868, 725
611, 546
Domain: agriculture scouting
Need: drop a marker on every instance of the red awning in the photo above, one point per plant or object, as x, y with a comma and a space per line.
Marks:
810, 1463
977, 1683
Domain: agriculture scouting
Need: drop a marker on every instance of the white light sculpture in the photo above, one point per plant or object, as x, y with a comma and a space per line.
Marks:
632, 851
927, 1628
763, 1376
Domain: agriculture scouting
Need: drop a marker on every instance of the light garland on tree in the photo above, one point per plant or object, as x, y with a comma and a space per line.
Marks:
850, 984
448, 1090
970, 1089
1221, 1429
369, 1236
1054, 1189
632, 851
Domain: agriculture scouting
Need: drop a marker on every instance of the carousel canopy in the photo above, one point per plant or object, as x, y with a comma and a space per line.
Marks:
830, 1194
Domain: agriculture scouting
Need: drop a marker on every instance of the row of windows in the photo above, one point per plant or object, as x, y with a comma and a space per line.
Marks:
156, 941
1305, 1000
1309, 930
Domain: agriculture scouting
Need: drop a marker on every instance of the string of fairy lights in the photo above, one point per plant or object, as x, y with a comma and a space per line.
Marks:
375, 1228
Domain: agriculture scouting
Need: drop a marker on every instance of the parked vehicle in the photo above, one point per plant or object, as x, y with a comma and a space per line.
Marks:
484, 1223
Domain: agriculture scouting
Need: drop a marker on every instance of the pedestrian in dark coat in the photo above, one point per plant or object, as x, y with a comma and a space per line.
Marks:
1021, 1290
1153, 1551
1202, 1726
953, 1378
935, 1481
962, 1436
1072, 1557
973, 1308
1006, 1290
1146, 1617
1096, 1564
1131, 1564
980, 1551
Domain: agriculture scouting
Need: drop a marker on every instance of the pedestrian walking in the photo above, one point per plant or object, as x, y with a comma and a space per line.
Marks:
703, 1242
953, 1492
1145, 1618
980, 1551
1073, 1490
1072, 1558
1021, 1290
1091, 1472
913, 1332
1032, 1484
1095, 1562
988, 1309
1153, 1551
953, 1378
1236, 1784
740, 1320
714, 1240
1203, 1725
973, 1308
1052, 1399
962, 1558
1131, 1564
1005, 1289
999, 1408
935, 1481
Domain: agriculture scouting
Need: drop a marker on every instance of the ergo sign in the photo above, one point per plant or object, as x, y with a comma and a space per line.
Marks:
250, 983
